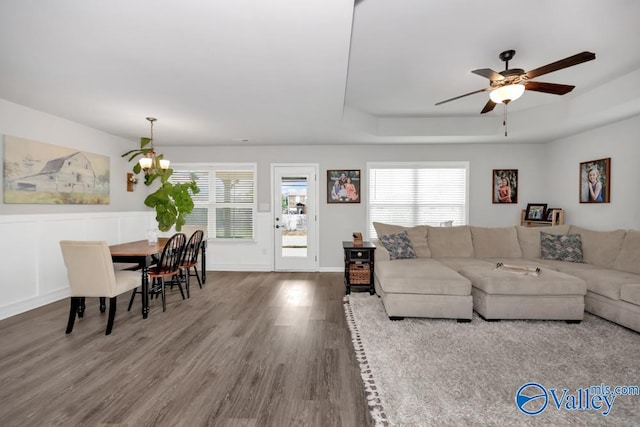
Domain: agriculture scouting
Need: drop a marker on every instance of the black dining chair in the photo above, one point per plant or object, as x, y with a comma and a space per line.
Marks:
190, 260
167, 268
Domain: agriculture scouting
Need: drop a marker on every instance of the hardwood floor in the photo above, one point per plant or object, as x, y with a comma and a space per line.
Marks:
249, 349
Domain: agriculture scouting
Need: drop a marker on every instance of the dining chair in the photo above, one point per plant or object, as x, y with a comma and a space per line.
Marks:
167, 267
91, 273
190, 260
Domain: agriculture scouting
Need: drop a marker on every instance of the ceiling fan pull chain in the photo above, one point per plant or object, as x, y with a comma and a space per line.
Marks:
504, 120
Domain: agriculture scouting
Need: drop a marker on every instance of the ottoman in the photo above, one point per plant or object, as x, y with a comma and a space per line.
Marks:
551, 295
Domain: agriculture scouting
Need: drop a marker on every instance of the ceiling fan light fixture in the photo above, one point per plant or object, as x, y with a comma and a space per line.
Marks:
506, 94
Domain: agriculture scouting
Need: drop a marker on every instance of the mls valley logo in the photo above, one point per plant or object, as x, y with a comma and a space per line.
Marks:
533, 398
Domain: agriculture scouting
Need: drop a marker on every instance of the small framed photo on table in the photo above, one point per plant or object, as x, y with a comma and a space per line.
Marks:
549, 214
535, 212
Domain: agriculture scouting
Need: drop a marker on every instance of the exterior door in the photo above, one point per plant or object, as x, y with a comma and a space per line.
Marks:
295, 217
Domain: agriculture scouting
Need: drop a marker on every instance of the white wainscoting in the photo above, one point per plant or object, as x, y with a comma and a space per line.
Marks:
34, 273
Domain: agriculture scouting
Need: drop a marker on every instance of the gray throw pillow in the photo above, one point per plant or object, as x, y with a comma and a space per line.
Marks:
563, 247
398, 245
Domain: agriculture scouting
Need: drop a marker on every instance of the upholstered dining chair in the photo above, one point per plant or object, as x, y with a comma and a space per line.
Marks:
167, 268
91, 273
190, 259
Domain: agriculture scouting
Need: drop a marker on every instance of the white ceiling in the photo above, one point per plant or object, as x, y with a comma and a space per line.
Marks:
316, 71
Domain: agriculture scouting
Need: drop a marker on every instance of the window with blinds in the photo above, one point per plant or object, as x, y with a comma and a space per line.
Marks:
410, 194
226, 203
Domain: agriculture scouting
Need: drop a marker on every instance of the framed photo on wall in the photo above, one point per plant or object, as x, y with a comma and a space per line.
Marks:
505, 186
535, 212
343, 186
595, 181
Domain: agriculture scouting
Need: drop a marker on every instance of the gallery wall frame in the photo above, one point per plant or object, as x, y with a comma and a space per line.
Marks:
505, 186
343, 185
38, 173
595, 181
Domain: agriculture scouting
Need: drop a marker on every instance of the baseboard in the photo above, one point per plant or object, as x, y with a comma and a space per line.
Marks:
32, 303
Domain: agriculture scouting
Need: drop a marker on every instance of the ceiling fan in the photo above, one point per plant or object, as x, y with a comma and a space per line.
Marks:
510, 84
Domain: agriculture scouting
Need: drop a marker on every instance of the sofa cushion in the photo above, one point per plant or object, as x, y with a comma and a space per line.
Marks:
630, 293
604, 281
629, 257
499, 242
457, 264
420, 276
417, 235
398, 245
562, 248
529, 238
450, 241
600, 247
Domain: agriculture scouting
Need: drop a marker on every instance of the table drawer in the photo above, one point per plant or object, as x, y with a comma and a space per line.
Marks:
359, 255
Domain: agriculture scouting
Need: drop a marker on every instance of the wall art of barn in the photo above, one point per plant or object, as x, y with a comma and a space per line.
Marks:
35, 172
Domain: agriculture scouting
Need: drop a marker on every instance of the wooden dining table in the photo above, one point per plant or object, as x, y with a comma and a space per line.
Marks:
143, 254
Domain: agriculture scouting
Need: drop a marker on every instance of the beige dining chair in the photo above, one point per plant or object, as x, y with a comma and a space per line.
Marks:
91, 273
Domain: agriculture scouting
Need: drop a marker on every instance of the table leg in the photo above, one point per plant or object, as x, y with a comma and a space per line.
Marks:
145, 292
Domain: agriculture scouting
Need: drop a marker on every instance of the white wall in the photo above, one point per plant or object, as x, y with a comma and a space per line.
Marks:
33, 272
338, 221
23, 122
620, 142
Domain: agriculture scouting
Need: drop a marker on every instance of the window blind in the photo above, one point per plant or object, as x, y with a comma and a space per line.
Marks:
417, 194
226, 203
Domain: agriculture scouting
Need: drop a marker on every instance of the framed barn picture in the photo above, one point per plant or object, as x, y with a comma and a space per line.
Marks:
39, 173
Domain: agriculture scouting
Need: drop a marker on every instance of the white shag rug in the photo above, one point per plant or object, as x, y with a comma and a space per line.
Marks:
434, 372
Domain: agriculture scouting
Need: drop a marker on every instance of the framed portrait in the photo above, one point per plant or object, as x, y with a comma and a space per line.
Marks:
535, 212
505, 186
549, 214
595, 181
343, 186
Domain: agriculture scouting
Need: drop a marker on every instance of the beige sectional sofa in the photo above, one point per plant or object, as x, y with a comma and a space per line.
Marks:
453, 274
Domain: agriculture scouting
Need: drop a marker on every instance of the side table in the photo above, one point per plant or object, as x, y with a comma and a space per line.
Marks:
359, 262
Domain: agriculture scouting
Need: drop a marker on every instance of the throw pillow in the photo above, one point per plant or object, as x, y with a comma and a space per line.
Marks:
566, 247
398, 245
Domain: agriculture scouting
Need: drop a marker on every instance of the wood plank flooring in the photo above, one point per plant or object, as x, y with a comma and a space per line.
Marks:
249, 349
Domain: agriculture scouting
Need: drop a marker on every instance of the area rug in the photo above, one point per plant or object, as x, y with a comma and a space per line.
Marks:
433, 372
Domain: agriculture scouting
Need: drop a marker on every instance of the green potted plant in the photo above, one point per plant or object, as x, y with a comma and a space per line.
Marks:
170, 201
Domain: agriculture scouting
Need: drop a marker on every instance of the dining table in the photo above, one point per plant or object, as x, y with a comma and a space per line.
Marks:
146, 254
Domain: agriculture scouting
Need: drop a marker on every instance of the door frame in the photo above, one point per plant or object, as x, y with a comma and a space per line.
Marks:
316, 225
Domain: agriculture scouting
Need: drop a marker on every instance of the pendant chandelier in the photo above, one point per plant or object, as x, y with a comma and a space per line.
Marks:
150, 163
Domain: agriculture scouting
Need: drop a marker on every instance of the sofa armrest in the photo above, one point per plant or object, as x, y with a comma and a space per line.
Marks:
382, 254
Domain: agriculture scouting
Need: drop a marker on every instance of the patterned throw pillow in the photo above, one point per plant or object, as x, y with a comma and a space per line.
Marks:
562, 247
398, 245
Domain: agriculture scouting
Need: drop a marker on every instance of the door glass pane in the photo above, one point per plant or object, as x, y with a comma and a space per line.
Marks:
293, 202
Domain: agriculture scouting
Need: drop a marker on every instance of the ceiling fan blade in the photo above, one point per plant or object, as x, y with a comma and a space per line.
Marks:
563, 63
553, 88
488, 73
462, 96
489, 106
